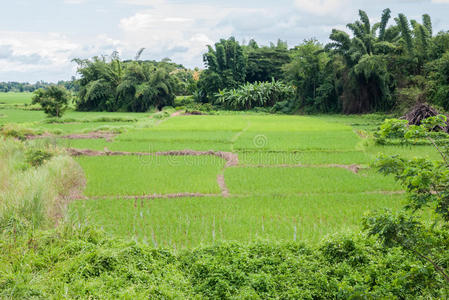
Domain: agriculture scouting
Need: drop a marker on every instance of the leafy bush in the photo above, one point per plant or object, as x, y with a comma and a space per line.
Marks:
72, 262
37, 157
393, 131
259, 94
53, 100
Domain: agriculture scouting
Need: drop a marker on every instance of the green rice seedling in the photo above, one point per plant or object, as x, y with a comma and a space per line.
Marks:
147, 175
166, 145
261, 181
191, 222
305, 157
151, 140
290, 141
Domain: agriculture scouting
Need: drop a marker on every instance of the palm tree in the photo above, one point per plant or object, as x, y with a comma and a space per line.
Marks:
366, 79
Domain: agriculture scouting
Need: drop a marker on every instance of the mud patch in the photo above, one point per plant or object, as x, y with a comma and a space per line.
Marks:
108, 136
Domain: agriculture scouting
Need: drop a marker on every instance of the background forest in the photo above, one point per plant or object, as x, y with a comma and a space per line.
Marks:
387, 66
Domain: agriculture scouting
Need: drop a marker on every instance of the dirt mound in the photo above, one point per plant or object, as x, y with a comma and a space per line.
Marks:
194, 113
421, 112
108, 136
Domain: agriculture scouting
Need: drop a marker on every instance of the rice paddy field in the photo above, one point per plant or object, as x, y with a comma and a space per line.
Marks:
183, 181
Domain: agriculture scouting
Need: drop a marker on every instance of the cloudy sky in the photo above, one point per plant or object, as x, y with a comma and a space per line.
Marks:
38, 39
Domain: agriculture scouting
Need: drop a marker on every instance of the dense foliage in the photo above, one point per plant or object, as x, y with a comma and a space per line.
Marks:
226, 65
265, 62
375, 67
135, 86
84, 263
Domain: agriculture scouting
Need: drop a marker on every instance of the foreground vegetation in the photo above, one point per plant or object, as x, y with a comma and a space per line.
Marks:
84, 263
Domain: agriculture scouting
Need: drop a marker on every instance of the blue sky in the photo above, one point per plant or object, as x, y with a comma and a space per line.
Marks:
38, 39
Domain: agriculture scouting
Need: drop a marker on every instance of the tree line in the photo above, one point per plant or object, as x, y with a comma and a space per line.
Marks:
24, 87
389, 65
369, 67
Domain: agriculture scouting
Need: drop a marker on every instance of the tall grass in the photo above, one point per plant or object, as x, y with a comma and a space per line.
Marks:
34, 196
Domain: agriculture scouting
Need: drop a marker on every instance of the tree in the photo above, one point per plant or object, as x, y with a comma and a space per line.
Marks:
265, 63
98, 83
53, 100
144, 87
114, 85
226, 65
308, 72
437, 83
366, 80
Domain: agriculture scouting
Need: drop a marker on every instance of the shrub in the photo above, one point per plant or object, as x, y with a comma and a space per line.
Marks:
259, 94
53, 100
37, 158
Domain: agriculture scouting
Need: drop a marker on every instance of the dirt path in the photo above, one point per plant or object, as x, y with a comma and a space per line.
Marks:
230, 158
222, 184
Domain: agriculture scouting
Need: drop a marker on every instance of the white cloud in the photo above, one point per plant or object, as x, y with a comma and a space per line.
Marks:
75, 1
165, 29
322, 7
47, 55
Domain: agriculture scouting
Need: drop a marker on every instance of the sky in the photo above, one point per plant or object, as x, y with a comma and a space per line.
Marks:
39, 39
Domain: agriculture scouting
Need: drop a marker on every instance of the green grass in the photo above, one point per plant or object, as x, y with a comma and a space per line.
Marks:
15, 98
290, 141
190, 222
20, 116
305, 158
134, 175
272, 181
11, 115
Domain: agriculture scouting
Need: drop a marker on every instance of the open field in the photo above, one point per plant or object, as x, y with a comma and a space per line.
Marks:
277, 177
15, 98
